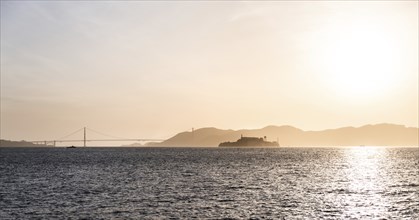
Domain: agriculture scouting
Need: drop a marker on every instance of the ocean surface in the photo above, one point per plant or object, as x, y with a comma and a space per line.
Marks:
209, 183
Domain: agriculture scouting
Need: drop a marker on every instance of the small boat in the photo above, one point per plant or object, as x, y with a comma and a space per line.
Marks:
71, 146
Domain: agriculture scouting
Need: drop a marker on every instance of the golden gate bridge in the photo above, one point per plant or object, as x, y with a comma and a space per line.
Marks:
85, 140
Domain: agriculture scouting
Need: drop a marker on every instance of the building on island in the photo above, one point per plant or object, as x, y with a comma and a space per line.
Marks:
250, 142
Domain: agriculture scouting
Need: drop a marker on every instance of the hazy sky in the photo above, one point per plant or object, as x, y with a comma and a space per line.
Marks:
152, 69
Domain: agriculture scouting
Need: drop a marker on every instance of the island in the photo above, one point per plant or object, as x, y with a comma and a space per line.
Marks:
250, 142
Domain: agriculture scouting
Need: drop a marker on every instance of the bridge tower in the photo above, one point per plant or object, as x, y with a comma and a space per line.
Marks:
84, 139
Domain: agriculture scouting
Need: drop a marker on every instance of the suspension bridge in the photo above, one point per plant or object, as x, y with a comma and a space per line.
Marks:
85, 139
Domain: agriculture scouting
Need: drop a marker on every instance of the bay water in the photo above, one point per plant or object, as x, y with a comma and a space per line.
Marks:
209, 183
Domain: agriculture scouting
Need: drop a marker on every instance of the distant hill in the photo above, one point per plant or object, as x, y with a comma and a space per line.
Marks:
7, 143
368, 135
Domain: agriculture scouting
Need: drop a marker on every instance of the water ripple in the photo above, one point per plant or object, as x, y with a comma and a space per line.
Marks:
150, 183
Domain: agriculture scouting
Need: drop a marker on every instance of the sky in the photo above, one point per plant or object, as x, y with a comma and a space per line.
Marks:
143, 69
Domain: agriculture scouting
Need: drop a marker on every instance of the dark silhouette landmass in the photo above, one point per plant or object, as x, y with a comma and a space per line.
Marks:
8, 143
249, 142
368, 135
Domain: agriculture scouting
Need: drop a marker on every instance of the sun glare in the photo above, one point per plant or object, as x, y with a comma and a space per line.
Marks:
361, 64
360, 60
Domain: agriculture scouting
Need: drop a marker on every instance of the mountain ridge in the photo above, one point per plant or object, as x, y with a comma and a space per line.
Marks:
384, 134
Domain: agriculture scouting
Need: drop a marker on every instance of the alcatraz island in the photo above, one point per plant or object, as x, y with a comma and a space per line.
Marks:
250, 142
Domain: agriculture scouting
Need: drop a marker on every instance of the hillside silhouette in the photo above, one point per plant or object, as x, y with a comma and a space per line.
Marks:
368, 135
8, 143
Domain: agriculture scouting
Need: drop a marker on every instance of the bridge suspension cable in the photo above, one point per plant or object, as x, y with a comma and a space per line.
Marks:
70, 134
104, 134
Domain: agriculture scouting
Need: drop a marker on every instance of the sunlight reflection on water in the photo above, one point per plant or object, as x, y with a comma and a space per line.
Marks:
366, 181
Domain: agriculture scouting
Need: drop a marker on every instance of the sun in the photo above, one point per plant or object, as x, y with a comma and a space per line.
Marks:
360, 60
361, 63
